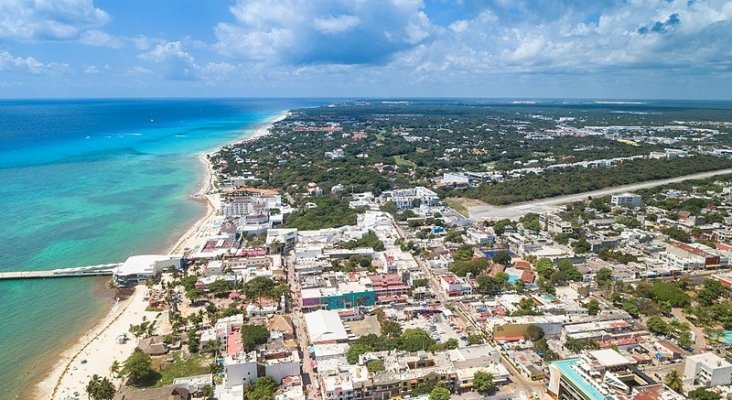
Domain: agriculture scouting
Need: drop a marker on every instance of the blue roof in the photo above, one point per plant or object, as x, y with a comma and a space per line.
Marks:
565, 366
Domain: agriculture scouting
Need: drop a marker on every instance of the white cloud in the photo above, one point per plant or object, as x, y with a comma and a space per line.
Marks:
49, 19
8, 62
323, 31
553, 37
166, 51
137, 71
335, 25
91, 69
100, 38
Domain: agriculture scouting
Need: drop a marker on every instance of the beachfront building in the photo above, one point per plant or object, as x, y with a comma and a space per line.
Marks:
626, 200
708, 369
138, 269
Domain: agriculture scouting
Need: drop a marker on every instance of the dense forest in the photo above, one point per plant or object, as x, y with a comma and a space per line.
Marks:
383, 145
579, 180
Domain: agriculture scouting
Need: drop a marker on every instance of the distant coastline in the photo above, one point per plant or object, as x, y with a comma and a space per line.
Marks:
68, 373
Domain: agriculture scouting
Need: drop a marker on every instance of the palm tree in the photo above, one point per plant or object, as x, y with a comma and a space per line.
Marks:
92, 388
105, 390
114, 369
673, 380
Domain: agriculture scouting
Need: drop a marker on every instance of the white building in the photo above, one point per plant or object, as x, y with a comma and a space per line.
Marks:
240, 369
454, 286
325, 326
405, 198
708, 369
626, 200
279, 365
554, 223
138, 269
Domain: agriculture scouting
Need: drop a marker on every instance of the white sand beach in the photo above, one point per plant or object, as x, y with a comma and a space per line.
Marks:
95, 352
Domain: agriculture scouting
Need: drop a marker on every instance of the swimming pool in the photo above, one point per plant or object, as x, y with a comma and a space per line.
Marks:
578, 380
726, 338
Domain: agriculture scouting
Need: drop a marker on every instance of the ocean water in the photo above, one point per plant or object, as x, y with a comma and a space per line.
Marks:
86, 182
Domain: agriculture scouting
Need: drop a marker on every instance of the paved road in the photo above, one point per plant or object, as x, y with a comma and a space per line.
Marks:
543, 205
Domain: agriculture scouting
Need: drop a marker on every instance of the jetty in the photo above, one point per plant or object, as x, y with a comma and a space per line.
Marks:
91, 270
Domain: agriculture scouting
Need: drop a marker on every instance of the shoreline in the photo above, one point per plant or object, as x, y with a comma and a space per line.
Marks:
71, 371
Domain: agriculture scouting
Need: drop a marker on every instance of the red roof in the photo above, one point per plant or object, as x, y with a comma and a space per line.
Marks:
233, 342
528, 277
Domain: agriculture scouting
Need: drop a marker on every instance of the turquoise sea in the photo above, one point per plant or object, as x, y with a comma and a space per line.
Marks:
86, 182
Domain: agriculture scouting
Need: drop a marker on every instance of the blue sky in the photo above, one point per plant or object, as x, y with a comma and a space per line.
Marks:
366, 48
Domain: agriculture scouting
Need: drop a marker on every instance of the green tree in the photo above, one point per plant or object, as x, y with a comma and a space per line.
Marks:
631, 308
530, 221
657, 325
422, 389
463, 253
673, 380
534, 333
375, 366
263, 388
545, 268
577, 345
475, 339
684, 340
603, 276
100, 388
440, 393
194, 341
115, 368
483, 381
220, 288
391, 328
195, 294
416, 340
355, 350
253, 335
138, 369
259, 287
390, 207
712, 291
593, 307
502, 257
702, 394
421, 282
677, 234
207, 392
581, 246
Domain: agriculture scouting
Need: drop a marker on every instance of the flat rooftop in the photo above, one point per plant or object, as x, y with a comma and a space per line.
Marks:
568, 371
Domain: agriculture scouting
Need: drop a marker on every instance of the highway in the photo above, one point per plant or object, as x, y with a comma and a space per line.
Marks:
539, 206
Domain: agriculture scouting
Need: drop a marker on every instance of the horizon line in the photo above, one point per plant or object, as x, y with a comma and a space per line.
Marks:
368, 98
